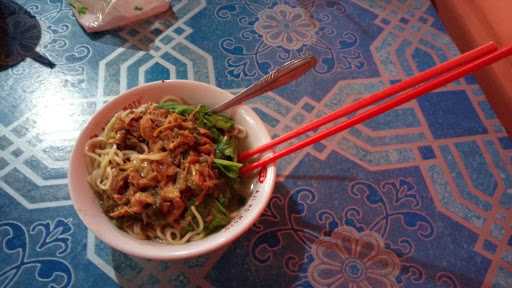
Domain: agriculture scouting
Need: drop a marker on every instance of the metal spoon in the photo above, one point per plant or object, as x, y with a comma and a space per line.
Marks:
283, 75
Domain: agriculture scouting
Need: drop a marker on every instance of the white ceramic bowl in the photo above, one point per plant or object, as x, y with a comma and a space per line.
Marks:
86, 203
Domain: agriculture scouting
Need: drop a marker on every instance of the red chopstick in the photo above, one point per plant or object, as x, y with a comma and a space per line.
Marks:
376, 97
377, 110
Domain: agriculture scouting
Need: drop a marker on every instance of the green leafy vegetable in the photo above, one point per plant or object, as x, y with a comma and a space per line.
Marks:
216, 134
181, 109
225, 152
230, 168
220, 218
221, 208
222, 200
212, 120
225, 149
221, 121
204, 117
138, 8
80, 8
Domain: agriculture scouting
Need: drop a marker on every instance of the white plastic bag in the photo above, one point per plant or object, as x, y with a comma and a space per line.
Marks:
101, 15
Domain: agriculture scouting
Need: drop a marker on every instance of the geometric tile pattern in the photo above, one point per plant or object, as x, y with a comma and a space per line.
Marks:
431, 181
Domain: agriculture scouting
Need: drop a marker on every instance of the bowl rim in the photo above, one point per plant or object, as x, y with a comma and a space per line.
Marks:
230, 236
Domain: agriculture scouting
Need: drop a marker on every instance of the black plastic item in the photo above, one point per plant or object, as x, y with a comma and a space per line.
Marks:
20, 33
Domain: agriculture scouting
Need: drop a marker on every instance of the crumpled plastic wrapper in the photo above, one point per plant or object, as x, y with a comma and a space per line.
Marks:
101, 15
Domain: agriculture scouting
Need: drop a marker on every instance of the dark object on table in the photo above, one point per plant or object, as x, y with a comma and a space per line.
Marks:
20, 33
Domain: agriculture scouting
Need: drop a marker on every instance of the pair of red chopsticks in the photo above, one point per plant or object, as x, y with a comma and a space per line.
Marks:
430, 80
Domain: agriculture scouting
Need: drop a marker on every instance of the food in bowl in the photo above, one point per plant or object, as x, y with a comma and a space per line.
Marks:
167, 171
257, 190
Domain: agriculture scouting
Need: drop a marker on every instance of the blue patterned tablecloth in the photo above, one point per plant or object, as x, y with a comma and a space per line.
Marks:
418, 197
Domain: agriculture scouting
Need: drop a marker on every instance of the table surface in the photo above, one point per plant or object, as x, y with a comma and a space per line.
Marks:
418, 197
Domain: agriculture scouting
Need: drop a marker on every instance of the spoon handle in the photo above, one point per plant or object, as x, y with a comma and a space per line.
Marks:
283, 75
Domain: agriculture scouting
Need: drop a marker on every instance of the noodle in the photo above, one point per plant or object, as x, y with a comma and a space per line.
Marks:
152, 156
172, 99
156, 171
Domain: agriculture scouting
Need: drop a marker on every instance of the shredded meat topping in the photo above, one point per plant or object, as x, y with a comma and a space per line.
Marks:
164, 183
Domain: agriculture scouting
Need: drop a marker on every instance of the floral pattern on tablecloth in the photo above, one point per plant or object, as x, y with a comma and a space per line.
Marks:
349, 258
